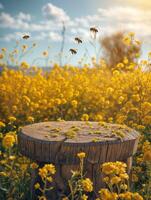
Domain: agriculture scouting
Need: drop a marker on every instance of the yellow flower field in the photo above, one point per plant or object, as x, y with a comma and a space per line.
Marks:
121, 95
69, 92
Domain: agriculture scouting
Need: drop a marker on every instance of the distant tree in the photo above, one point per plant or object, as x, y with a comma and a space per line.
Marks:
115, 50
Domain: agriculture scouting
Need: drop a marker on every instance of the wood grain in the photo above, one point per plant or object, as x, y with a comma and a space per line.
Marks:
59, 143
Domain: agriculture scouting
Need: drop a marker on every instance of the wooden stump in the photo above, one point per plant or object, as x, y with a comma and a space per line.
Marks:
59, 143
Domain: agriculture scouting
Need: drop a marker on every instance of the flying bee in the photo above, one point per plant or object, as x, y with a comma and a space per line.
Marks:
94, 30
78, 40
25, 37
73, 51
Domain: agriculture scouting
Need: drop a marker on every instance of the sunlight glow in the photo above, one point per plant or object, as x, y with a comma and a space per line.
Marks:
143, 4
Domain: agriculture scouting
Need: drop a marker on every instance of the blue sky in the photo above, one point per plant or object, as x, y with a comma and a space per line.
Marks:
42, 20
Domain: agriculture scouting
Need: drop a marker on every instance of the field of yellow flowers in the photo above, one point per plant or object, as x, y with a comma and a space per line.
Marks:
121, 95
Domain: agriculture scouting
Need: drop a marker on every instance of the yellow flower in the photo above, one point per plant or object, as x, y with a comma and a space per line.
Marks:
1, 56
3, 174
58, 101
24, 47
43, 173
4, 49
74, 103
124, 176
136, 97
147, 156
3, 162
34, 165
2, 124
30, 119
12, 157
65, 198
87, 185
42, 198
50, 168
23, 166
127, 40
14, 108
15, 51
147, 120
46, 170
131, 34
130, 196
139, 159
137, 55
8, 141
85, 117
136, 196
24, 65
115, 180
146, 146
45, 53
98, 118
114, 168
140, 127
138, 42
125, 61
1, 135
106, 179
144, 62
121, 99
134, 178
26, 99
116, 73
126, 196
37, 186
81, 155
120, 65
84, 197
123, 186
12, 119
110, 90
149, 55
105, 194
49, 179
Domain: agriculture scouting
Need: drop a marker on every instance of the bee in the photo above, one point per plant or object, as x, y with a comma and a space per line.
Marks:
78, 40
94, 30
73, 51
25, 37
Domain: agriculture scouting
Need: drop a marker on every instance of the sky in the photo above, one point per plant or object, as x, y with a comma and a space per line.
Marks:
42, 20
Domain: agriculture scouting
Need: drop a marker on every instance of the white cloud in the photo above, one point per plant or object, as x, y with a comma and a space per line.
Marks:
24, 16
124, 14
107, 20
118, 19
53, 36
1, 6
8, 21
80, 32
12, 36
128, 19
54, 13
81, 22
24, 22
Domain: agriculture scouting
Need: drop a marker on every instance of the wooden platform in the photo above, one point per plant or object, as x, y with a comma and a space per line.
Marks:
59, 143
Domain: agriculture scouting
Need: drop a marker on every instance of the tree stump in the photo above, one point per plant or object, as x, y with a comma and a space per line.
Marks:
59, 143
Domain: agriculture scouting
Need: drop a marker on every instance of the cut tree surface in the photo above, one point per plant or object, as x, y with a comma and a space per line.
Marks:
59, 142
